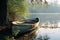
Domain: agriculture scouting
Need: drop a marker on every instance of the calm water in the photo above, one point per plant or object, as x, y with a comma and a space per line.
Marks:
45, 17
51, 14
50, 34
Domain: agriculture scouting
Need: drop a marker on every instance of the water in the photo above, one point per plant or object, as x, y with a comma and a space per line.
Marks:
45, 17
48, 33
50, 13
53, 34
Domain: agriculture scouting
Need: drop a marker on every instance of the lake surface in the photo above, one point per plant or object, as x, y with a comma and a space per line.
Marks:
50, 34
50, 13
45, 17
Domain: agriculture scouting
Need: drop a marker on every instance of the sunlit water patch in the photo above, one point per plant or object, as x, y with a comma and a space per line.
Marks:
52, 34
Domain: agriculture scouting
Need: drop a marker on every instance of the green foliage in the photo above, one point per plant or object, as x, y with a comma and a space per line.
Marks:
5, 37
18, 7
15, 31
39, 2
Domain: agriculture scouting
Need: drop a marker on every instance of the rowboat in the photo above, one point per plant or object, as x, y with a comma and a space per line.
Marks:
26, 26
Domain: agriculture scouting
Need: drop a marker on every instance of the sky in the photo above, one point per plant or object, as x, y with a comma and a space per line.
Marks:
53, 7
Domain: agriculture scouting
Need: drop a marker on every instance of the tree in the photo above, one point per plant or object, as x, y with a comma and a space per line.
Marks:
9, 9
3, 12
17, 8
39, 2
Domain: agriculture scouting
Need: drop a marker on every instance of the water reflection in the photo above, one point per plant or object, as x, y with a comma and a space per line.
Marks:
52, 33
48, 34
44, 34
45, 37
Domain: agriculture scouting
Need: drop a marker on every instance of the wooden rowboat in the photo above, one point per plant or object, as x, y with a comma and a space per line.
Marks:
26, 26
